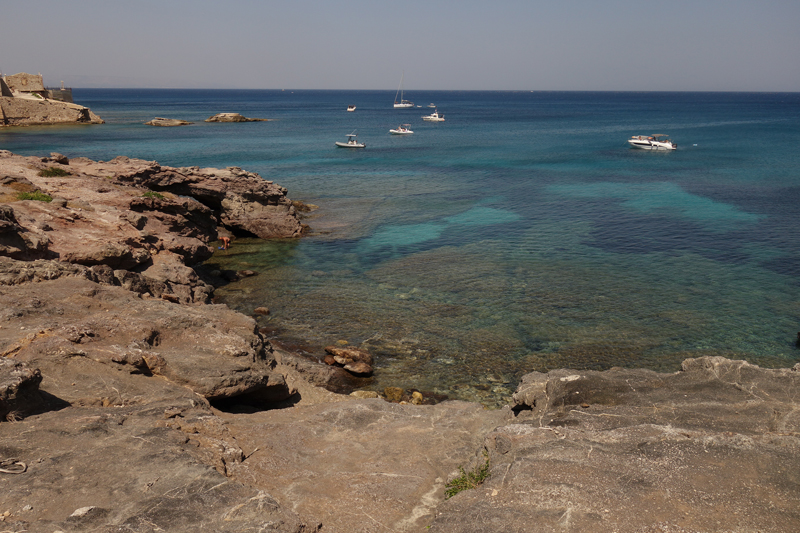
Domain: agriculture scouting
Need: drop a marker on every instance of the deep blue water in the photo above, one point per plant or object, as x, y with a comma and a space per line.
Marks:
520, 234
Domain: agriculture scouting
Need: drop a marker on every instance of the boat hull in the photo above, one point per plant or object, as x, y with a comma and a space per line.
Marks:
403, 105
652, 142
350, 145
398, 132
651, 145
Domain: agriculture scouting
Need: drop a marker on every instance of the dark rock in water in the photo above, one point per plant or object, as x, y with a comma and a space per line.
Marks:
393, 394
354, 360
358, 368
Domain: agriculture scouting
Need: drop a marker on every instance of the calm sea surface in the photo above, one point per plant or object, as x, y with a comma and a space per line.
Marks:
520, 234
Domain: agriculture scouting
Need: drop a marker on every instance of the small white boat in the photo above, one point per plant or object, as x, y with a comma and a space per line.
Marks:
658, 141
351, 108
401, 130
432, 105
402, 103
351, 142
434, 117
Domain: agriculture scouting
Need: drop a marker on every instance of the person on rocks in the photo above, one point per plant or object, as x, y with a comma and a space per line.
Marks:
225, 237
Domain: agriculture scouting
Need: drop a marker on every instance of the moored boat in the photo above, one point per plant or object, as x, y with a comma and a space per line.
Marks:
434, 117
657, 141
402, 129
352, 142
402, 103
351, 108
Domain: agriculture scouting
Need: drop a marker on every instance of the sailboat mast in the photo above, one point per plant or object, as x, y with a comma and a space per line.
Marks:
400, 88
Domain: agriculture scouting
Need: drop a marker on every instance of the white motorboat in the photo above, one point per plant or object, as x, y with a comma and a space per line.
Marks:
352, 142
434, 117
351, 108
401, 130
402, 103
432, 105
658, 141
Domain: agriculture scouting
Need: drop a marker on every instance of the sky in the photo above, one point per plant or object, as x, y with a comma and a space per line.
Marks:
576, 45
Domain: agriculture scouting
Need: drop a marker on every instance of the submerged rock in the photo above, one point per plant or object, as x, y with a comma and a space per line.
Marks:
354, 360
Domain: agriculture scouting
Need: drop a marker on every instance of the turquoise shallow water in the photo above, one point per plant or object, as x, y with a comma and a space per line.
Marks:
520, 234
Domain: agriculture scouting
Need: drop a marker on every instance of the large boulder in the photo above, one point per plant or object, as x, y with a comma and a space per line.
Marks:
210, 350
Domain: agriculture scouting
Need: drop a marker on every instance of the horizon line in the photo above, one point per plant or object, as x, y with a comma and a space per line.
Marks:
710, 91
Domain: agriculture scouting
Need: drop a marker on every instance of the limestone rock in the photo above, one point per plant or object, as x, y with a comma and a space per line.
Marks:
28, 112
98, 469
108, 214
210, 350
387, 460
233, 117
167, 122
245, 203
635, 450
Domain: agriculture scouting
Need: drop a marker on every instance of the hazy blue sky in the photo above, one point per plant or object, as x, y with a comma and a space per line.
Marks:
706, 45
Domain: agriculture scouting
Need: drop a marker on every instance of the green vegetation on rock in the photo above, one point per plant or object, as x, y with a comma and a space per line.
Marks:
36, 195
53, 172
153, 194
468, 480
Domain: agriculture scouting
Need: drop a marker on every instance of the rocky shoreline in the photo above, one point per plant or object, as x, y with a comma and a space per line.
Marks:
129, 402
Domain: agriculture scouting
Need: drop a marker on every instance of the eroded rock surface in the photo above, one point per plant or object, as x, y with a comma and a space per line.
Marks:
360, 465
715, 447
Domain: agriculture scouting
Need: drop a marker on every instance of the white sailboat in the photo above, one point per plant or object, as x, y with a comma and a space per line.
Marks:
402, 103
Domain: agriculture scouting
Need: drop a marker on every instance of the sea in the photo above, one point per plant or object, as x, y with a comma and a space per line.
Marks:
521, 234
